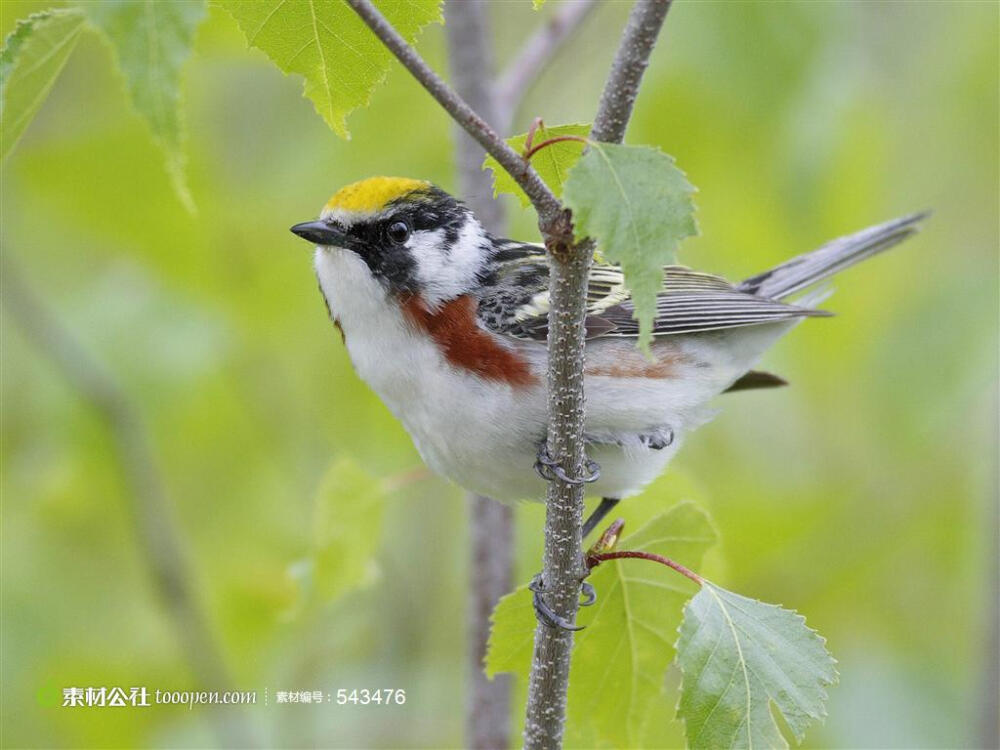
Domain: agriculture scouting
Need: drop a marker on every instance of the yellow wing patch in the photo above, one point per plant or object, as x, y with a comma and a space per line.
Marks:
373, 194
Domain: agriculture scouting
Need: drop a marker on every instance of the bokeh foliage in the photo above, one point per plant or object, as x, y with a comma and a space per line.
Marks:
862, 494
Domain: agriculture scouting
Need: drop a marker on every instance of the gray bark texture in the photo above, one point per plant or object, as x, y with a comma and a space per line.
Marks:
630, 63
491, 533
470, 54
562, 561
563, 566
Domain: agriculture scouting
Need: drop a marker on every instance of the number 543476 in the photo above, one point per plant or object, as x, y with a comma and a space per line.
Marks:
366, 697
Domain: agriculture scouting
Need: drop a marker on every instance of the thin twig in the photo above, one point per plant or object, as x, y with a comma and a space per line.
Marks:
552, 219
491, 524
631, 60
529, 138
563, 565
604, 549
562, 558
537, 53
594, 560
535, 148
488, 702
470, 58
149, 505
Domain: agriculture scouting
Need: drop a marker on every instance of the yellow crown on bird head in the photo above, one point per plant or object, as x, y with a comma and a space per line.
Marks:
373, 194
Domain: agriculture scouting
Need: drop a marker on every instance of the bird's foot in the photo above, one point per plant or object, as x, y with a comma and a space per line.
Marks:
658, 439
546, 614
548, 468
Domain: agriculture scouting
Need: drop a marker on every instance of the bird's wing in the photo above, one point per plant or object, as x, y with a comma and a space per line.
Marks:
515, 300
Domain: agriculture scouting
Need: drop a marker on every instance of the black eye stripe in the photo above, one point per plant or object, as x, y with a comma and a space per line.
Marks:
389, 259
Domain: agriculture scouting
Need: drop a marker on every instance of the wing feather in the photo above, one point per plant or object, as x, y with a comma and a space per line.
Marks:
515, 300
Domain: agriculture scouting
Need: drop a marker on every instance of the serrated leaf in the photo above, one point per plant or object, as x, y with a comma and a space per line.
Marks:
636, 204
33, 55
347, 528
552, 163
325, 41
739, 657
620, 659
152, 40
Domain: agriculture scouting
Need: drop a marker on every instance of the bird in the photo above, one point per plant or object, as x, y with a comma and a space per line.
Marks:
447, 324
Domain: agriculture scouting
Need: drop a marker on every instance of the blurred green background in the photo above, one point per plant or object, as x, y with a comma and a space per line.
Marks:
863, 495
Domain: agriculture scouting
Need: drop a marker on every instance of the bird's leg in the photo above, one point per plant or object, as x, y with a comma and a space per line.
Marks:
656, 438
548, 468
545, 613
607, 504
542, 610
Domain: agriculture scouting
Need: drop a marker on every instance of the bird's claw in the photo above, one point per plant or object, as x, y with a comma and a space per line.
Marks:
545, 613
548, 468
588, 591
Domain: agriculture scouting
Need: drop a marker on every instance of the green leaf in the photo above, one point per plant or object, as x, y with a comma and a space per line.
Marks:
739, 656
325, 41
152, 40
537, 4
347, 527
620, 659
552, 163
33, 55
636, 204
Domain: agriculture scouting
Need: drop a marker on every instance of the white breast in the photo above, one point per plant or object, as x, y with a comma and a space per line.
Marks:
484, 434
472, 430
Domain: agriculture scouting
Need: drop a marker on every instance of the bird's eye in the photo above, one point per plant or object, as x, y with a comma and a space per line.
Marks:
398, 232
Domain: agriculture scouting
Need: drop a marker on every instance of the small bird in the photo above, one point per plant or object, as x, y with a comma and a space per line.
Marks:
448, 325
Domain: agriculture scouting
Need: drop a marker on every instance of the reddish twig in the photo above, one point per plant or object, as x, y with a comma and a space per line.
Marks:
607, 541
549, 141
529, 139
596, 559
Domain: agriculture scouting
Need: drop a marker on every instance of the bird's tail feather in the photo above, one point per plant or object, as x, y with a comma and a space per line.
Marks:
805, 270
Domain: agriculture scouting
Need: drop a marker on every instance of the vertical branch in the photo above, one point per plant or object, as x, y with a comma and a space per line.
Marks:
630, 63
570, 263
563, 566
149, 507
562, 561
487, 708
488, 702
535, 55
470, 56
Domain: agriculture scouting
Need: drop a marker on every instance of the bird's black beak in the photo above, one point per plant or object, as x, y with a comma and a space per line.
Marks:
321, 233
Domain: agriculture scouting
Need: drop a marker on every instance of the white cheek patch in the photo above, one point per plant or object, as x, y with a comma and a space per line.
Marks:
445, 273
426, 247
